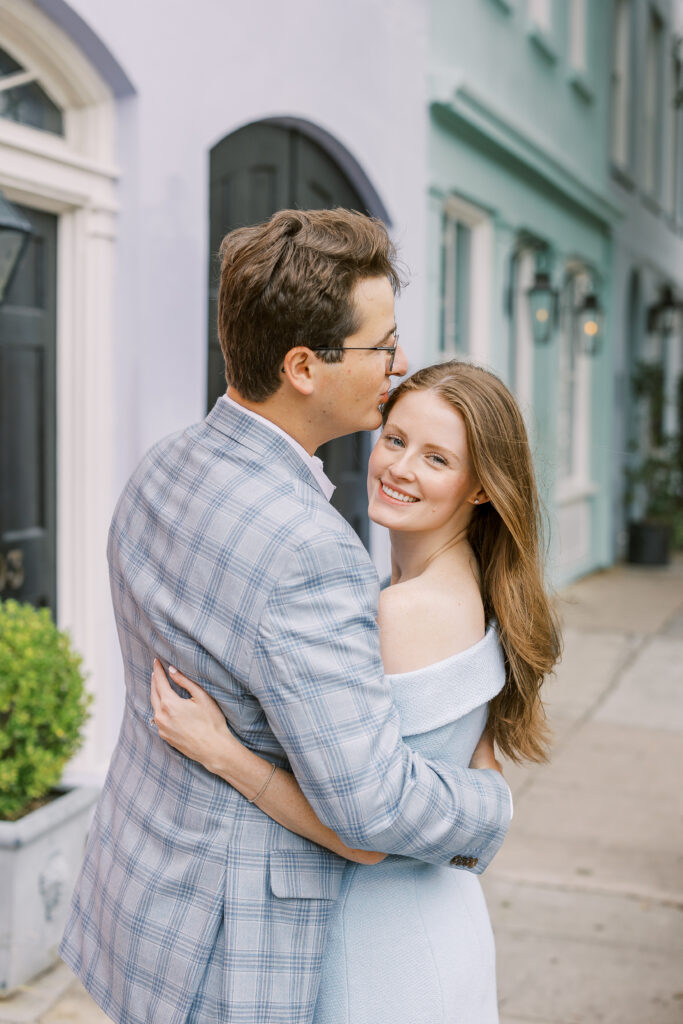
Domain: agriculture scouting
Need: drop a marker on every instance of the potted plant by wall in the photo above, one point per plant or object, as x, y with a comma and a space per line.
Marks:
43, 706
656, 485
654, 478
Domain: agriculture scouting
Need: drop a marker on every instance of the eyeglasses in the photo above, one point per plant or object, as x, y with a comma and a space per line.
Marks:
366, 348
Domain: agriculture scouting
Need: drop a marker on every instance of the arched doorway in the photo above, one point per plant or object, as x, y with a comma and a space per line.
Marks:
57, 344
273, 165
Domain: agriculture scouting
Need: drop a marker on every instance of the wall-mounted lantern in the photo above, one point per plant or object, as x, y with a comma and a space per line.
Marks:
662, 316
542, 304
590, 319
15, 232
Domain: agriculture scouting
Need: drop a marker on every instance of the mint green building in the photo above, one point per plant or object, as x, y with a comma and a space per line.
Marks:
521, 222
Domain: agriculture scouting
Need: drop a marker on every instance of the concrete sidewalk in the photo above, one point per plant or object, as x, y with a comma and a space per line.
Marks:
586, 896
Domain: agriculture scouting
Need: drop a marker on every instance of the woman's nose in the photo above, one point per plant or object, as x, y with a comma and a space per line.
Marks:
402, 465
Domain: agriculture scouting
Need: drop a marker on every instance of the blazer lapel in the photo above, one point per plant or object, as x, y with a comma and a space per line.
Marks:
266, 444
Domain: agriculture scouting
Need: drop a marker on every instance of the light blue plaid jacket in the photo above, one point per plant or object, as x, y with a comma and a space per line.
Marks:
192, 905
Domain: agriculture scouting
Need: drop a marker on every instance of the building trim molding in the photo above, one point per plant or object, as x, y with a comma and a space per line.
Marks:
461, 106
89, 44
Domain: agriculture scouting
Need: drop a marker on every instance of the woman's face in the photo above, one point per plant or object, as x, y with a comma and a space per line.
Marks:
419, 474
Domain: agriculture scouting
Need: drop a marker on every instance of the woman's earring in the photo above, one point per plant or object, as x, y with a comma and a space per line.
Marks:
476, 501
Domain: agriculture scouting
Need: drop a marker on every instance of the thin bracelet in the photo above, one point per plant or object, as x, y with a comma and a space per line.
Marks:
265, 785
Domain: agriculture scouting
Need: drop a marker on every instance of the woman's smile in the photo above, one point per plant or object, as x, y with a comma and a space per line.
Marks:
395, 494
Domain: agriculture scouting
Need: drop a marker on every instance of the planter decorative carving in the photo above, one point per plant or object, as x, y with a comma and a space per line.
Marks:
40, 855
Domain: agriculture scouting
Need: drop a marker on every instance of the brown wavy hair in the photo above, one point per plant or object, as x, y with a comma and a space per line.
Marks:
289, 282
505, 534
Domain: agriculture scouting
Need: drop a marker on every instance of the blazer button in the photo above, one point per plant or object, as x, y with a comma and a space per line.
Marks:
473, 862
458, 860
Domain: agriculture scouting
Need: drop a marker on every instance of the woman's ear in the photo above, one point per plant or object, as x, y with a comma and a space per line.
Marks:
298, 369
480, 497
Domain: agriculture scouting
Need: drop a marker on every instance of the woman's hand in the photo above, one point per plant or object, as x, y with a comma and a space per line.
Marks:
196, 727
484, 755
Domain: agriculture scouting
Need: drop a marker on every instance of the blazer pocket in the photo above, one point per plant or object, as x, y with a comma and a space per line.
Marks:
305, 874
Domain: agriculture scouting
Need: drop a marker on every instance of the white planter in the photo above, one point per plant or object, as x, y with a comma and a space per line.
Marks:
40, 855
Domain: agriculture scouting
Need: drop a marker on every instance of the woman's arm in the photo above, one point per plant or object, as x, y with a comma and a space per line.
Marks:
198, 729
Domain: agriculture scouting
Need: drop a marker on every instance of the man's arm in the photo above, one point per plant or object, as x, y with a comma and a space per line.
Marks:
317, 674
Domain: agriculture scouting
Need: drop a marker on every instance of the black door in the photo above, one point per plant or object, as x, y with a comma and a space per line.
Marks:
254, 172
27, 422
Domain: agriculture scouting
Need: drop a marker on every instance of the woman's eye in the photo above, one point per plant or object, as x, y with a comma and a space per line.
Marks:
438, 460
393, 441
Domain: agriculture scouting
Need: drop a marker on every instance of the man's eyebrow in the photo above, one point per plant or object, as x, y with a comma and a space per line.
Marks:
392, 330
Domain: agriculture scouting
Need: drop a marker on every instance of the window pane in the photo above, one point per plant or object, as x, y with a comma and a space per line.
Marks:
673, 164
653, 104
521, 356
455, 286
8, 66
621, 67
462, 287
28, 103
572, 405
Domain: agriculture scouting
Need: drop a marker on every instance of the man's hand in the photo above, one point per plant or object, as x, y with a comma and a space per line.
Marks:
484, 755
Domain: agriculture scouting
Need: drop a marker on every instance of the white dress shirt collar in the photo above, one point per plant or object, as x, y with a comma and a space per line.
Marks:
312, 461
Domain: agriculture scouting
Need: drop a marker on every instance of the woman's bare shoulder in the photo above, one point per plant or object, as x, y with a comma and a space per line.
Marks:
428, 619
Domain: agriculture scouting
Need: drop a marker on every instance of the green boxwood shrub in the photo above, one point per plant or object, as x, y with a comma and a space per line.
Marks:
43, 705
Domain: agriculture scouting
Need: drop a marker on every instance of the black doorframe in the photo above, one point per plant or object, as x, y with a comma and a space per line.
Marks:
28, 418
358, 179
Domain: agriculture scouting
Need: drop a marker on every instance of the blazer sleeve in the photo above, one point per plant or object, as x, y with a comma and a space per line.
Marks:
318, 676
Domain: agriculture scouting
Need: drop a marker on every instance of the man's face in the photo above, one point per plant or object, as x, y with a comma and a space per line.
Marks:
356, 387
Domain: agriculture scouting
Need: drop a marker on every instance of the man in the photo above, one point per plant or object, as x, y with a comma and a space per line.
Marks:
227, 560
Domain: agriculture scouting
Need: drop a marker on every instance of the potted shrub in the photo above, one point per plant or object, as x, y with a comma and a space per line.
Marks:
43, 706
654, 480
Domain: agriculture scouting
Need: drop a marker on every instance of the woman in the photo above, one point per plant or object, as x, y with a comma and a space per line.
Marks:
467, 637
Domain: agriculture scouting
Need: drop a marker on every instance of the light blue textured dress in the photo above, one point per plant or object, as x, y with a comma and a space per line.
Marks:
409, 942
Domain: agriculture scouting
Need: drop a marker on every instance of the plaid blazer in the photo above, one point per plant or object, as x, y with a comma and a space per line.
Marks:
192, 905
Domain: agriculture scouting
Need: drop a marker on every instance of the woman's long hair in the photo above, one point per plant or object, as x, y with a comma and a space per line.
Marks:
505, 534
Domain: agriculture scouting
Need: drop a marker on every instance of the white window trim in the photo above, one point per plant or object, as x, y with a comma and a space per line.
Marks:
525, 271
673, 163
73, 178
540, 12
622, 118
481, 263
651, 159
578, 35
578, 484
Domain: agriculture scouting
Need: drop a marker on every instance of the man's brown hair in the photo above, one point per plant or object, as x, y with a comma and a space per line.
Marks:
289, 282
